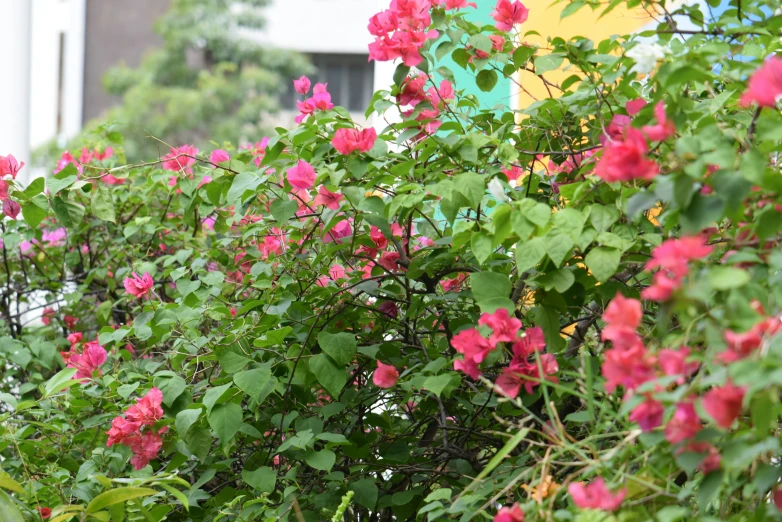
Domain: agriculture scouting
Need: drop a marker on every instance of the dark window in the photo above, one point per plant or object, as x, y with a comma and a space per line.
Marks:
350, 78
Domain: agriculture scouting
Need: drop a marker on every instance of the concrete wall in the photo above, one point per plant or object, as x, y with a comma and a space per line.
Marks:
117, 31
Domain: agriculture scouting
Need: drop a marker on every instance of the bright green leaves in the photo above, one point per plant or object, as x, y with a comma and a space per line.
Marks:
558, 245
282, 210
102, 204
242, 183
341, 347
487, 79
471, 186
530, 253
69, 213
117, 496
329, 374
323, 460
262, 479
171, 385
491, 290
225, 420
603, 262
257, 383
727, 277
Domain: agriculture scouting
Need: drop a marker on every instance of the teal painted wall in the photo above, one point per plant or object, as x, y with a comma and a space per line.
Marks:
466, 79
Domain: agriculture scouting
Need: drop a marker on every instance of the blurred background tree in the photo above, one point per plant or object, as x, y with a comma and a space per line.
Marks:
212, 80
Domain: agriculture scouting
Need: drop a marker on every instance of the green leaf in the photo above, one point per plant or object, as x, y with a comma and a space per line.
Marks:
560, 280
471, 186
491, 291
727, 277
535, 212
242, 183
603, 262
264, 479
102, 204
437, 383
185, 419
33, 214
530, 253
487, 80
212, 395
115, 496
602, 217
709, 488
232, 361
257, 383
547, 62
331, 376
572, 8
366, 492
341, 347
56, 183
498, 457
8, 510
481, 244
323, 460
68, 213
570, 221
6, 482
170, 385
282, 210
548, 320
60, 381
225, 420
558, 245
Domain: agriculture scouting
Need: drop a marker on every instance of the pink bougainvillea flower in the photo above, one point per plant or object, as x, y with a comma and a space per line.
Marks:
507, 14
302, 176
724, 404
765, 85
87, 362
674, 362
633, 107
389, 261
55, 237
9, 166
401, 31
11, 208
145, 448
596, 495
258, 150
101, 156
347, 141
47, 315
385, 376
648, 414
510, 514
179, 159
627, 365
664, 128
108, 179
219, 156
377, 236
621, 315
328, 199
626, 160
302, 85
684, 424
147, 410
505, 329
413, 90
336, 272
66, 158
70, 321
741, 345
671, 257
121, 429
340, 231
513, 173
4, 186
471, 344
528, 374
616, 129
138, 286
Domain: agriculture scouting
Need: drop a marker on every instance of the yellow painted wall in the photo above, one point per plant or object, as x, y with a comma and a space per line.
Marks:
545, 19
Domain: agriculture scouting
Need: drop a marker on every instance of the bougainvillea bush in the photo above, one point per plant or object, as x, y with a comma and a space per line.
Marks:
569, 312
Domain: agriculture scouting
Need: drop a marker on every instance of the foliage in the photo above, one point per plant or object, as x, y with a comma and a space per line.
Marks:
305, 342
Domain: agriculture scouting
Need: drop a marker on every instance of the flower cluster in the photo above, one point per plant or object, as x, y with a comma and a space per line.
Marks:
138, 286
413, 93
87, 362
401, 31
320, 100
347, 141
596, 495
507, 14
672, 259
523, 368
135, 430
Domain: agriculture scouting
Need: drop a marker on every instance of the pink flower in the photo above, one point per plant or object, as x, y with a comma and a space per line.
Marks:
389, 309
302, 85
219, 156
621, 315
336, 272
145, 448
11, 208
413, 90
302, 176
513, 173
106, 154
258, 150
684, 424
121, 429
510, 514
507, 14
3, 189
526, 373
9, 166
177, 159
765, 85
401, 31
54, 238
648, 414
628, 365
388, 260
626, 160
377, 236
616, 129
47, 315
672, 257
45, 512
472, 345
724, 404
664, 128
505, 328
108, 179
270, 245
385, 376
340, 231
634, 106
328, 199
674, 362
595, 495
147, 410
138, 286
66, 158
90, 360
347, 141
